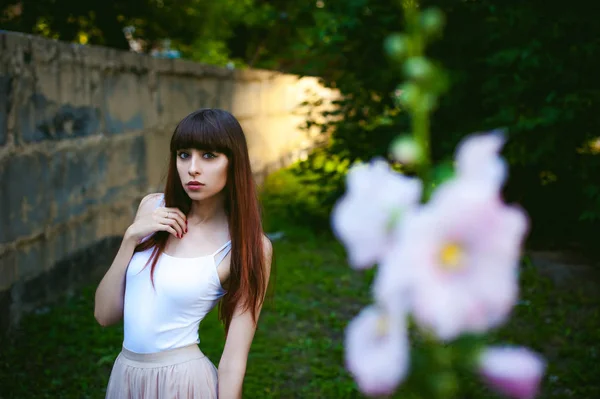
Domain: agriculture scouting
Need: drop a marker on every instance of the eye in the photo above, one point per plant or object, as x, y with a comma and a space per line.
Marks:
183, 154
209, 155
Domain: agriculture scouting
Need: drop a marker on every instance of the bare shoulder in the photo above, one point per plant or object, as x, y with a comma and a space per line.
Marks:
268, 250
149, 202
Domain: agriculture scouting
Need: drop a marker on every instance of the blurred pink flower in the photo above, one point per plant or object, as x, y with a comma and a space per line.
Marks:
513, 371
394, 281
454, 264
363, 217
377, 351
478, 159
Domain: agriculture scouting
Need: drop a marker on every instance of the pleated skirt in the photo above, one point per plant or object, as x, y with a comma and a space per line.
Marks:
182, 373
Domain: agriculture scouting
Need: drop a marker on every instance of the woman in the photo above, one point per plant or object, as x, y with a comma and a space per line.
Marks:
199, 243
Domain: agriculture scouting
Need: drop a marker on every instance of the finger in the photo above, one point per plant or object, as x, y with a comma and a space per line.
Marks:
176, 214
177, 219
169, 213
174, 224
166, 227
178, 211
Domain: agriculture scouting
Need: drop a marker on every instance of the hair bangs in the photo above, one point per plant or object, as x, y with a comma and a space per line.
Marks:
202, 131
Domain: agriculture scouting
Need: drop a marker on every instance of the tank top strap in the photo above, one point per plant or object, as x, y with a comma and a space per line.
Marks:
161, 201
221, 253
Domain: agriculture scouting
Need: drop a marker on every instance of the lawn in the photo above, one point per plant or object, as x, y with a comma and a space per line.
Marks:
61, 352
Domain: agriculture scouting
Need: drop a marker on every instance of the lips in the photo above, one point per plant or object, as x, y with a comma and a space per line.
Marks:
194, 185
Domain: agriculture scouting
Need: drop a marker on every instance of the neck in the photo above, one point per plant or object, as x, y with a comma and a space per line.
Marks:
210, 210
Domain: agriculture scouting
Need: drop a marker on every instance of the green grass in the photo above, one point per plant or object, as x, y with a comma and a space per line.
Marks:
297, 351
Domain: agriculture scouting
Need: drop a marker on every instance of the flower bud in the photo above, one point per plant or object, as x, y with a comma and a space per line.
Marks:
418, 68
409, 95
432, 21
406, 150
396, 45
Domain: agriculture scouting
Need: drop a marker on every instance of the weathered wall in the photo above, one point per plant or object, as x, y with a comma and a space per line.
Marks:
84, 134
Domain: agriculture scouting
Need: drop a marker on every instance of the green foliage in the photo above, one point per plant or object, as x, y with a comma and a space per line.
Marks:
199, 29
306, 192
101, 22
518, 69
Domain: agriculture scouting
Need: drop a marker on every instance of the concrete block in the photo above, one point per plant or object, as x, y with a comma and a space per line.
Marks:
94, 175
116, 220
122, 108
25, 205
157, 156
178, 96
246, 99
16, 51
206, 93
71, 79
43, 119
195, 70
59, 245
44, 51
76, 180
81, 236
134, 62
187, 68
125, 168
81, 266
69, 239
5, 105
30, 259
8, 270
225, 93
163, 65
279, 93
31, 115
69, 54
43, 274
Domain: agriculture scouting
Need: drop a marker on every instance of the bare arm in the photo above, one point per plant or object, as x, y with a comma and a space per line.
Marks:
110, 293
232, 366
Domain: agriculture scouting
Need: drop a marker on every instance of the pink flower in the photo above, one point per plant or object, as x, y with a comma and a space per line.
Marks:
394, 282
377, 351
363, 217
513, 371
478, 159
454, 263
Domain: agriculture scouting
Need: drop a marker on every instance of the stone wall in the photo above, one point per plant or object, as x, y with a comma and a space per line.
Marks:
84, 135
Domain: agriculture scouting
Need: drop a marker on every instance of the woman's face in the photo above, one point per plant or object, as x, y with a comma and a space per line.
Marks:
203, 174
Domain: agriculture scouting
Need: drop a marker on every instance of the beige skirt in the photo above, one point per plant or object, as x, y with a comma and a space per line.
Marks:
183, 373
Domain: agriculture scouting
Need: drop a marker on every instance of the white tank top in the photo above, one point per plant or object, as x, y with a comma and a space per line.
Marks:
167, 316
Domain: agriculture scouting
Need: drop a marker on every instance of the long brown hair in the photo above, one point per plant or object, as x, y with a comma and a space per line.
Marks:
218, 130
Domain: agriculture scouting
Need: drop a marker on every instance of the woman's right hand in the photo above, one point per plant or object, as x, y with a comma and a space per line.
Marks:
171, 220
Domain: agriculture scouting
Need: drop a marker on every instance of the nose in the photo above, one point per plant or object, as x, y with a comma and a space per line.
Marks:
195, 167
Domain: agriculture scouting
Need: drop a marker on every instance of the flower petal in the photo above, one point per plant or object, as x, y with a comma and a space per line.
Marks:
478, 157
513, 371
361, 218
377, 358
